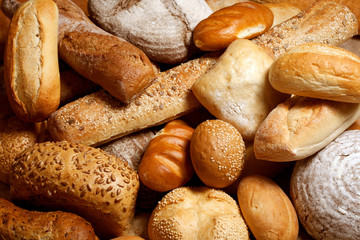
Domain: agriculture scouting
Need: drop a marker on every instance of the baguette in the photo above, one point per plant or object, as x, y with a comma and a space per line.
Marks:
31, 61
98, 118
323, 22
19, 223
116, 65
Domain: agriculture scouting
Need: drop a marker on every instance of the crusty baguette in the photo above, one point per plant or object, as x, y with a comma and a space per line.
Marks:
98, 117
31, 61
19, 223
116, 65
323, 22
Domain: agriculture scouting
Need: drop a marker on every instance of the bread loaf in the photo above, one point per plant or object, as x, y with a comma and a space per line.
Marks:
324, 189
219, 4
267, 210
99, 118
301, 126
242, 20
197, 213
217, 153
282, 11
84, 180
114, 64
162, 29
18, 223
353, 5
323, 22
319, 71
237, 89
31, 61
166, 163
130, 148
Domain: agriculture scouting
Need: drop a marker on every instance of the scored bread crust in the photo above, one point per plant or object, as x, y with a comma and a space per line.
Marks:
301, 126
31, 73
98, 118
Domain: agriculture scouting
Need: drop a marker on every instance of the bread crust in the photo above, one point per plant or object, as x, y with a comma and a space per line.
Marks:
242, 20
118, 66
31, 61
266, 208
166, 163
323, 22
80, 179
301, 126
98, 118
319, 71
19, 223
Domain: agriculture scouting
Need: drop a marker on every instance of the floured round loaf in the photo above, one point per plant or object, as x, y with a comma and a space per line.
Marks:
162, 29
318, 70
325, 189
197, 213
80, 179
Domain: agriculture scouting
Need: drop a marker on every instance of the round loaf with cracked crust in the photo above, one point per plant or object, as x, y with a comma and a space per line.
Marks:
325, 189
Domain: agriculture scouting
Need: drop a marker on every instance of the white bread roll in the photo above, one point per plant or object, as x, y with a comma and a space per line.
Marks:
31, 61
237, 90
301, 126
319, 71
282, 11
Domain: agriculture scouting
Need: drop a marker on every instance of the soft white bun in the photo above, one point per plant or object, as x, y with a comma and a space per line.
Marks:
237, 89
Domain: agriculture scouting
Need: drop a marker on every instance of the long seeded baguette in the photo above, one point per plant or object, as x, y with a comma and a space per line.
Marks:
324, 22
98, 117
116, 65
18, 223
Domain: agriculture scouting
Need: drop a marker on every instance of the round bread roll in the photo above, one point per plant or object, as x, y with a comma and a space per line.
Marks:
319, 71
128, 238
217, 152
197, 213
267, 210
80, 179
282, 11
325, 189
242, 20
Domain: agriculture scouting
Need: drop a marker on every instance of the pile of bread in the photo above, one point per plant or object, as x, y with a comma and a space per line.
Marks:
180, 119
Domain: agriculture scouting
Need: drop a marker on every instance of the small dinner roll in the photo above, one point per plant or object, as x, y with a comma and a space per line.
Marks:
267, 210
197, 213
242, 20
217, 152
319, 71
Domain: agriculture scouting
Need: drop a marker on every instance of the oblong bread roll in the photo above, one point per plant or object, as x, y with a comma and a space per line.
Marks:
319, 71
301, 126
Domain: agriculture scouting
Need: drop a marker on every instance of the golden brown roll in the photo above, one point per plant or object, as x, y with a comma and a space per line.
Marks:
166, 163
267, 210
319, 71
31, 61
84, 180
241, 20
197, 213
217, 153
19, 223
